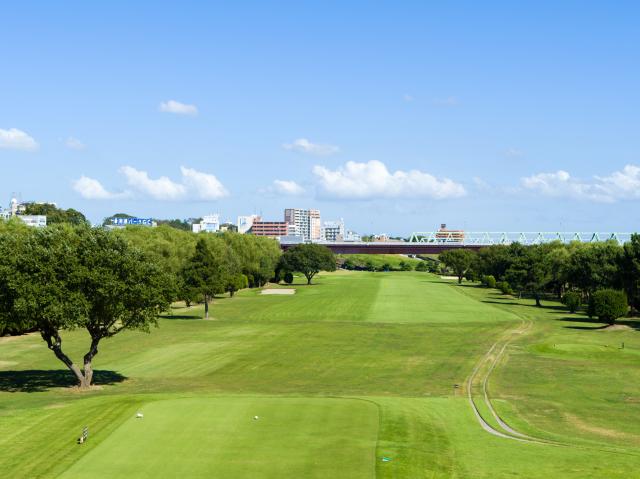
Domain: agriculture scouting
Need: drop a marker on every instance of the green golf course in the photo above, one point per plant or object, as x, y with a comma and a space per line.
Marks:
361, 375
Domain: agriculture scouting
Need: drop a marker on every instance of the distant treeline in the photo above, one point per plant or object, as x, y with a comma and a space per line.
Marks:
194, 267
554, 269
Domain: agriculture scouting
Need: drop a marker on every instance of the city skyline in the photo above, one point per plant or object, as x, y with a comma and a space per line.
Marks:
395, 119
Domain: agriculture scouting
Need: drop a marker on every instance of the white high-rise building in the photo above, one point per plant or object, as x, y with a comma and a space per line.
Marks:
306, 222
246, 222
333, 230
209, 224
352, 236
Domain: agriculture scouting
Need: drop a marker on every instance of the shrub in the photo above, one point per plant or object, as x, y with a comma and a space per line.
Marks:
405, 266
470, 276
504, 287
489, 281
288, 277
608, 305
434, 267
422, 266
572, 300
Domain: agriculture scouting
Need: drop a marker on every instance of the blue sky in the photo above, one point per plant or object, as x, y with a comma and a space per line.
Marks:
396, 116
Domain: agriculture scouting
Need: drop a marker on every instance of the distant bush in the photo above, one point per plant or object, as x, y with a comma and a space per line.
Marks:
504, 287
288, 277
385, 267
489, 281
349, 264
608, 305
572, 300
405, 266
434, 267
422, 266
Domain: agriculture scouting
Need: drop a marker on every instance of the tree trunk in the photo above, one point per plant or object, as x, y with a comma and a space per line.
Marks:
309, 277
54, 343
88, 358
206, 306
460, 279
538, 304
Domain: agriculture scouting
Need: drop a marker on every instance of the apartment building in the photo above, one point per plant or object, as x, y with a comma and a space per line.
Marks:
306, 223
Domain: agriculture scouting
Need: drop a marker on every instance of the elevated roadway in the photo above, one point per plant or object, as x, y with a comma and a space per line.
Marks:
435, 242
391, 247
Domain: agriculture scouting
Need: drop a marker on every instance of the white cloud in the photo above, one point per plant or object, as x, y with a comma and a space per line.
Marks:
14, 139
619, 185
481, 184
160, 189
74, 144
623, 184
408, 98
195, 185
178, 108
373, 180
205, 185
92, 189
287, 187
305, 146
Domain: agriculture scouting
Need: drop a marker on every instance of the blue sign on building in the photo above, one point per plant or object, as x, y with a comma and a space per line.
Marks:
132, 221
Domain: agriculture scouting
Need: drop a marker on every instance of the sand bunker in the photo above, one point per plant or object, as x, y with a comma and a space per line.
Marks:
278, 291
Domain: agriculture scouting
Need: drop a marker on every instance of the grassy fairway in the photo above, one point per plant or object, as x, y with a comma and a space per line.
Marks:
359, 367
220, 438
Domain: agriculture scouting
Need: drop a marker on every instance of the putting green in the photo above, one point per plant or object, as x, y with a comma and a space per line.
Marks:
219, 437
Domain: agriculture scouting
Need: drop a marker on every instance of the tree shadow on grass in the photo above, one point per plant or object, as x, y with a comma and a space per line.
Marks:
633, 323
181, 316
40, 380
511, 302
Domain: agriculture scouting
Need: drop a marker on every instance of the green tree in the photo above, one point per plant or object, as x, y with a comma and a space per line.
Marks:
489, 281
572, 300
236, 282
257, 256
207, 271
459, 260
56, 215
309, 259
629, 266
609, 305
63, 278
593, 266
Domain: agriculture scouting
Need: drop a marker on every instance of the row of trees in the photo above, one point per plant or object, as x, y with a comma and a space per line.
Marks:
67, 277
555, 269
56, 215
202, 266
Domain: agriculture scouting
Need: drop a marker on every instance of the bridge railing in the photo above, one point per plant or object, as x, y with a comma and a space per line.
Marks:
488, 238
